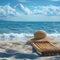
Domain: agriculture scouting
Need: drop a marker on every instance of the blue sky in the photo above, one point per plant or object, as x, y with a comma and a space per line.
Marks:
30, 10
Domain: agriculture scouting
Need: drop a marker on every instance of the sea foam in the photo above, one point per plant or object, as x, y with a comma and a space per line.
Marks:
15, 36
24, 36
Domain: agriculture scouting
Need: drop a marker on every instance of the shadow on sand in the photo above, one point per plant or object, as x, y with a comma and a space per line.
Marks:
19, 55
23, 56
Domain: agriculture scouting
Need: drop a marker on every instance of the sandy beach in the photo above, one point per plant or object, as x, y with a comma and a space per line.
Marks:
19, 50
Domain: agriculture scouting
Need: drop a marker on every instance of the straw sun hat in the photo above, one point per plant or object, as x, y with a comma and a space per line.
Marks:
40, 34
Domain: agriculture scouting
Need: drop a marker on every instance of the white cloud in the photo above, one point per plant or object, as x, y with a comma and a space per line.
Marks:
7, 10
47, 10
26, 10
50, 10
2, 11
38, 13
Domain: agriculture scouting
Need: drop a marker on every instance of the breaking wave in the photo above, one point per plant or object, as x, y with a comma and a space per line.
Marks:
15, 36
24, 36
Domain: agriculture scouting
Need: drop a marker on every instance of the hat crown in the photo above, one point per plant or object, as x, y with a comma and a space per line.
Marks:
40, 34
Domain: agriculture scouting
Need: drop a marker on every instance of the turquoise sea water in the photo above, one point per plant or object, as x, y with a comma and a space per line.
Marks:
28, 27
21, 30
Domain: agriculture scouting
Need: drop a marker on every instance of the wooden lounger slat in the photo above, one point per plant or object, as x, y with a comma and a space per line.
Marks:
45, 47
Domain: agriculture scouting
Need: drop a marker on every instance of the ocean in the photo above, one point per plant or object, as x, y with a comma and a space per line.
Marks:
13, 30
14, 35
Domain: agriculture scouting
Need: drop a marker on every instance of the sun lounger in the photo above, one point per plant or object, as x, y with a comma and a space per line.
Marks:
45, 47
